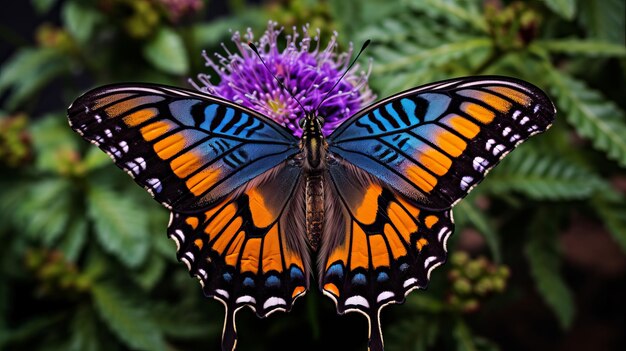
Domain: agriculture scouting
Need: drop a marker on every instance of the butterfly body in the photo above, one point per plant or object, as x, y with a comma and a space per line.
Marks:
313, 162
373, 200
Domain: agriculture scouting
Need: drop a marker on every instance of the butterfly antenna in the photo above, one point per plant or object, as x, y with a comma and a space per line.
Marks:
256, 51
365, 44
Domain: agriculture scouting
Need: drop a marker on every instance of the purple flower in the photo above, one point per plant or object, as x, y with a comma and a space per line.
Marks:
306, 70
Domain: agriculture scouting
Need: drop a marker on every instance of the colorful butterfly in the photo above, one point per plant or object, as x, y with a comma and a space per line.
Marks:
249, 201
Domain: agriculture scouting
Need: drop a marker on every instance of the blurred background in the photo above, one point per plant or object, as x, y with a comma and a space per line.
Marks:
538, 254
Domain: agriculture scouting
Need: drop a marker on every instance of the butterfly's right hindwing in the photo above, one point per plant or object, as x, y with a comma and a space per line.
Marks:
187, 149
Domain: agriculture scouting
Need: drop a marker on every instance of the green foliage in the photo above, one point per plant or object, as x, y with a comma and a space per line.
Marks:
86, 255
542, 252
593, 116
166, 52
542, 177
120, 226
127, 318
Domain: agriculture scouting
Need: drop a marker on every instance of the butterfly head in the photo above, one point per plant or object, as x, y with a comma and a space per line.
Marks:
312, 144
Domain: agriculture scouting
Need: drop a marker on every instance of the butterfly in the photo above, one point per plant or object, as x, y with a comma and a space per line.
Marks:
251, 204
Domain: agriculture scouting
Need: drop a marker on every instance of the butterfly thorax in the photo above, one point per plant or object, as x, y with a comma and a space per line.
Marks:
313, 147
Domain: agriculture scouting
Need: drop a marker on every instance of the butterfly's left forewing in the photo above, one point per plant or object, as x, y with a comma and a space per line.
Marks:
187, 149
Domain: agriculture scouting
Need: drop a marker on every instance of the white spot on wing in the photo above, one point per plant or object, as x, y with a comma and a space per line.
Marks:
246, 299
190, 256
489, 144
274, 301
429, 260
506, 131
108, 133
155, 184
480, 164
524, 120
384, 295
498, 149
222, 293
357, 300
124, 146
409, 281
465, 182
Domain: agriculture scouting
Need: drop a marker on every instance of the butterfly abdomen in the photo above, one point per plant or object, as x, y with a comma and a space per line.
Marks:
314, 208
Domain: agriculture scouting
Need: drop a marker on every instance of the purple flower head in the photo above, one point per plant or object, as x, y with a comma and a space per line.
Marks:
306, 70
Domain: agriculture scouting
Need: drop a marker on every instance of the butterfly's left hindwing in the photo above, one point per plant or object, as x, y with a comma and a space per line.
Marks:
242, 251
434, 143
187, 149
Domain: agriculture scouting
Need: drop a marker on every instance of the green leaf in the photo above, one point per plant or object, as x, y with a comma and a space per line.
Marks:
467, 213
121, 226
564, 8
605, 19
593, 116
150, 273
613, 214
46, 209
166, 51
543, 256
437, 56
127, 319
43, 6
542, 176
593, 48
74, 238
84, 331
463, 336
27, 71
469, 12
80, 20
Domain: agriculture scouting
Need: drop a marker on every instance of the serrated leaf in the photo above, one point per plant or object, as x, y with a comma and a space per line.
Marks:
613, 214
127, 319
605, 19
166, 51
80, 20
45, 210
466, 213
564, 8
593, 48
74, 238
466, 11
435, 56
542, 176
121, 226
543, 256
593, 116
